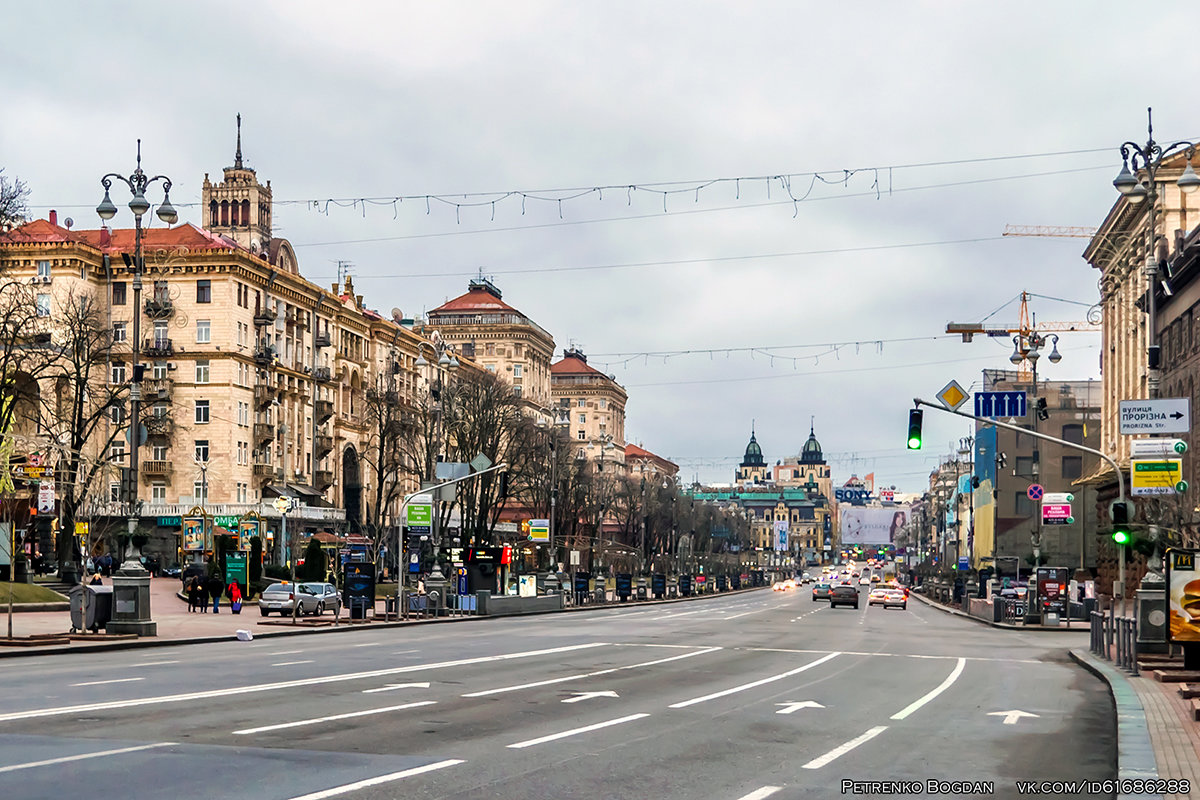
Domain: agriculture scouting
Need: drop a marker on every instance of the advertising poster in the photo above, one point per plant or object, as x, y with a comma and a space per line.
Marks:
1183, 596
247, 530
781, 535
193, 534
862, 525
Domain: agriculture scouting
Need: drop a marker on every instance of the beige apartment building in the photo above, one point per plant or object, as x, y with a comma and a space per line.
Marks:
256, 378
640, 462
595, 404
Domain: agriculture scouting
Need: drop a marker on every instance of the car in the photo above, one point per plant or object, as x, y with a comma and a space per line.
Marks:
876, 596
821, 591
173, 571
777, 586
864, 581
314, 598
895, 598
789, 584
844, 595
875, 579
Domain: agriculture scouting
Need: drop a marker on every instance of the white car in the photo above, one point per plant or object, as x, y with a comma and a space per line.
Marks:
865, 580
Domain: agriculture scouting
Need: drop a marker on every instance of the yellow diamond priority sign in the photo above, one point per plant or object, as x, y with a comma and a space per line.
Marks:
952, 396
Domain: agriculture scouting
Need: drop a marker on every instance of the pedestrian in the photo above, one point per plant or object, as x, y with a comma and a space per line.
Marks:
235, 598
202, 594
193, 594
215, 587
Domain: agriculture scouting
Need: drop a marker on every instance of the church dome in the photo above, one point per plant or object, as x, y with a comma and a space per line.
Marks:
811, 453
754, 456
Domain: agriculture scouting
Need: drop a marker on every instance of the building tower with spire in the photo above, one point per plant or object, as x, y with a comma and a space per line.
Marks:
753, 468
238, 207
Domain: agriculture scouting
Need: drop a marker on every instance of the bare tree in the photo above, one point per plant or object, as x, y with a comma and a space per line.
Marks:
384, 455
14, 201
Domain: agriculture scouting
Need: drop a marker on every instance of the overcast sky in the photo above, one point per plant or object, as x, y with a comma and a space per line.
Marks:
395, 99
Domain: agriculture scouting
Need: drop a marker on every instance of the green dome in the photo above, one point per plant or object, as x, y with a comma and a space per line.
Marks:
811, 453
754, 456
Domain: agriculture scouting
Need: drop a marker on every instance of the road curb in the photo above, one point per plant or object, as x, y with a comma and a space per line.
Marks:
156, 642
1135, 752
1081, 627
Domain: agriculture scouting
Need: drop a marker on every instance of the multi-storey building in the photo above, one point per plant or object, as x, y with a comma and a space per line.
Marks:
502, 340
640, 462
753, 469
256, 379
594, 404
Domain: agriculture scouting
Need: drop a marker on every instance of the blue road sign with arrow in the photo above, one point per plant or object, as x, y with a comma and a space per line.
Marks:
1000, 404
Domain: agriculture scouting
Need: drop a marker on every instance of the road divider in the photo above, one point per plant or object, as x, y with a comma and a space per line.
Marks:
581, 675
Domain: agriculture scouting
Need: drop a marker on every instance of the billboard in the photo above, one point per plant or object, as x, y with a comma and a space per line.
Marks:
862, 525
781, 535
1183, 596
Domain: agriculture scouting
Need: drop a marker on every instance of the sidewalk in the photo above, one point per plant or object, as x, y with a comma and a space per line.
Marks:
1076, 625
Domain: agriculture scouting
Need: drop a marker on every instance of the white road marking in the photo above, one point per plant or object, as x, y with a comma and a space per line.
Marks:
285, 653
1011, 717
366, 644
681, 614
393, 776
842, 749
290, 663
759, 794
83, 756
393, 686
891, 655
580, 675
943, 686
269, 687
744, 686
315, 720
744, 613
576, 731
153, 663
114, 680
789, 708
589, 695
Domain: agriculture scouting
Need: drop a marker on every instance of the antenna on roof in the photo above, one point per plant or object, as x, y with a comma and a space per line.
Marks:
237, 158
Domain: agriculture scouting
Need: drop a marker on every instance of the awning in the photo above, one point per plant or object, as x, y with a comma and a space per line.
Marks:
280, 490
306, 491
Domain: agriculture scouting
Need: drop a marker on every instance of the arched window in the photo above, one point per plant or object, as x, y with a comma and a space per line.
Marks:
224, 213
246, 212
212, 212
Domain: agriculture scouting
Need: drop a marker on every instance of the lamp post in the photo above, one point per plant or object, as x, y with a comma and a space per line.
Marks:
447, 364
137, 182
561, 419
606, 444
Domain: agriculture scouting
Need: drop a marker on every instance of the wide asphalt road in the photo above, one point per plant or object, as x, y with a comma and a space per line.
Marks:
742, 697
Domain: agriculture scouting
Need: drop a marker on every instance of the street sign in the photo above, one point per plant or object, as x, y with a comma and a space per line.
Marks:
1056, 514
964, 563
1159, 476
1001, 404
46, 497
481, 462
283, 504
1058, 497
952, 396
539, 530
82, 529
33, 473
1164, 415
1035, 491
418, 514
1143, 448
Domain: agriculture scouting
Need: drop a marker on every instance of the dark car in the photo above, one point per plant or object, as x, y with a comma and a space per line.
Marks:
844, 594
193, 571
821, 591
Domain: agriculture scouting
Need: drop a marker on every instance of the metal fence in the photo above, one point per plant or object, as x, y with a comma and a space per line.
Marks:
1115, 639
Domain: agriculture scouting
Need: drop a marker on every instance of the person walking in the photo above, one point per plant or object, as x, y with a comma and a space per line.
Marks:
215, 587
202, 594
193, 594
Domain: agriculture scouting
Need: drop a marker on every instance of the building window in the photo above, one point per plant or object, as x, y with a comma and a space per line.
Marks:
581, 403
161, 333
116, 414
601, 403
583, 419
243, 414
118, 294
160, 410
516, 370
517, 391
201, 451
1024, 506
241, 492
158, 493
203, 331
117, 452
201, 412
160, 370
44, 270
200, 488
117, 374
43, 305
202, 372
1024, 466
203, 291
158, 452
1073, 433
114, 492
582, 436
1072, 467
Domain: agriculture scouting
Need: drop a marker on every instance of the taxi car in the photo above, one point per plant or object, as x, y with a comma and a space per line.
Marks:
877, 595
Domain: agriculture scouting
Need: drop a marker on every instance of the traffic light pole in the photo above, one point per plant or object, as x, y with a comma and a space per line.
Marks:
918, 402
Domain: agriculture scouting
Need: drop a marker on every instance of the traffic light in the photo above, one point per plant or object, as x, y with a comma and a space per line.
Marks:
1120, 519
502, 489
1043, 412
914, 428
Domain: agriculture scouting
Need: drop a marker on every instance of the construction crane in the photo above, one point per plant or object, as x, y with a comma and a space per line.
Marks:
1028, 335
1051, 231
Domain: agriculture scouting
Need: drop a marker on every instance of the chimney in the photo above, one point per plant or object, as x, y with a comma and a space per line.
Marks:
53, 217
359, 298
105, 236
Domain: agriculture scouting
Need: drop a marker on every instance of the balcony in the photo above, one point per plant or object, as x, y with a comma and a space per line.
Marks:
263, 432
323, 411
322, 375
322, 479
264, 394
158, 347
323, 446
264, 316
264, 356
264, 471
159, 307
159, 389
322, 340
159, 425
156, 467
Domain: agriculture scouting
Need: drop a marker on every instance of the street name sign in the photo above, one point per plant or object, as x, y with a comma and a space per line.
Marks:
1142, 448
995, 405
1056, 513
418, 514
1164, 415
539, 530
1158, 476
952, 396
1058, 497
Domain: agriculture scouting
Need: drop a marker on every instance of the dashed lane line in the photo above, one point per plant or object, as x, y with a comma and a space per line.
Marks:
890, 655
943, 686
760, 794
842, 749
83, 756
154, 663
581, 675
393, 776
292, 663
103, 683
753, 684
576, 731
316, 720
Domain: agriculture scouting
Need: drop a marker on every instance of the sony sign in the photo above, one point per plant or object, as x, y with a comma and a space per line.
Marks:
854, 495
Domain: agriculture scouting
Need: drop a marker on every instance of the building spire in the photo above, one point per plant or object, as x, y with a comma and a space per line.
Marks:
812, 425
237, 158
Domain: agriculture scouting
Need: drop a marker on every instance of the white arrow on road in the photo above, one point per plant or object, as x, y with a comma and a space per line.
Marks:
1011, 717
788, 708
589, 695
392, 686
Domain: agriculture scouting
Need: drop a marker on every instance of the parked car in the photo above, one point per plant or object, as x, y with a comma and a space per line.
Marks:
312, 598
844, 595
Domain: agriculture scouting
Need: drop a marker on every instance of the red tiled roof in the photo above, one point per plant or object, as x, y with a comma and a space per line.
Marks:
570, 365
635, 452
476, 299
42, 231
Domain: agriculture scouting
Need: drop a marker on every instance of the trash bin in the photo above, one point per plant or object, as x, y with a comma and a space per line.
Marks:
99, 608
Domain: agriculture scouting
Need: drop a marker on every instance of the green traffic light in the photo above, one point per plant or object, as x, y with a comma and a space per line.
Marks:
1121, 537
914, 428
